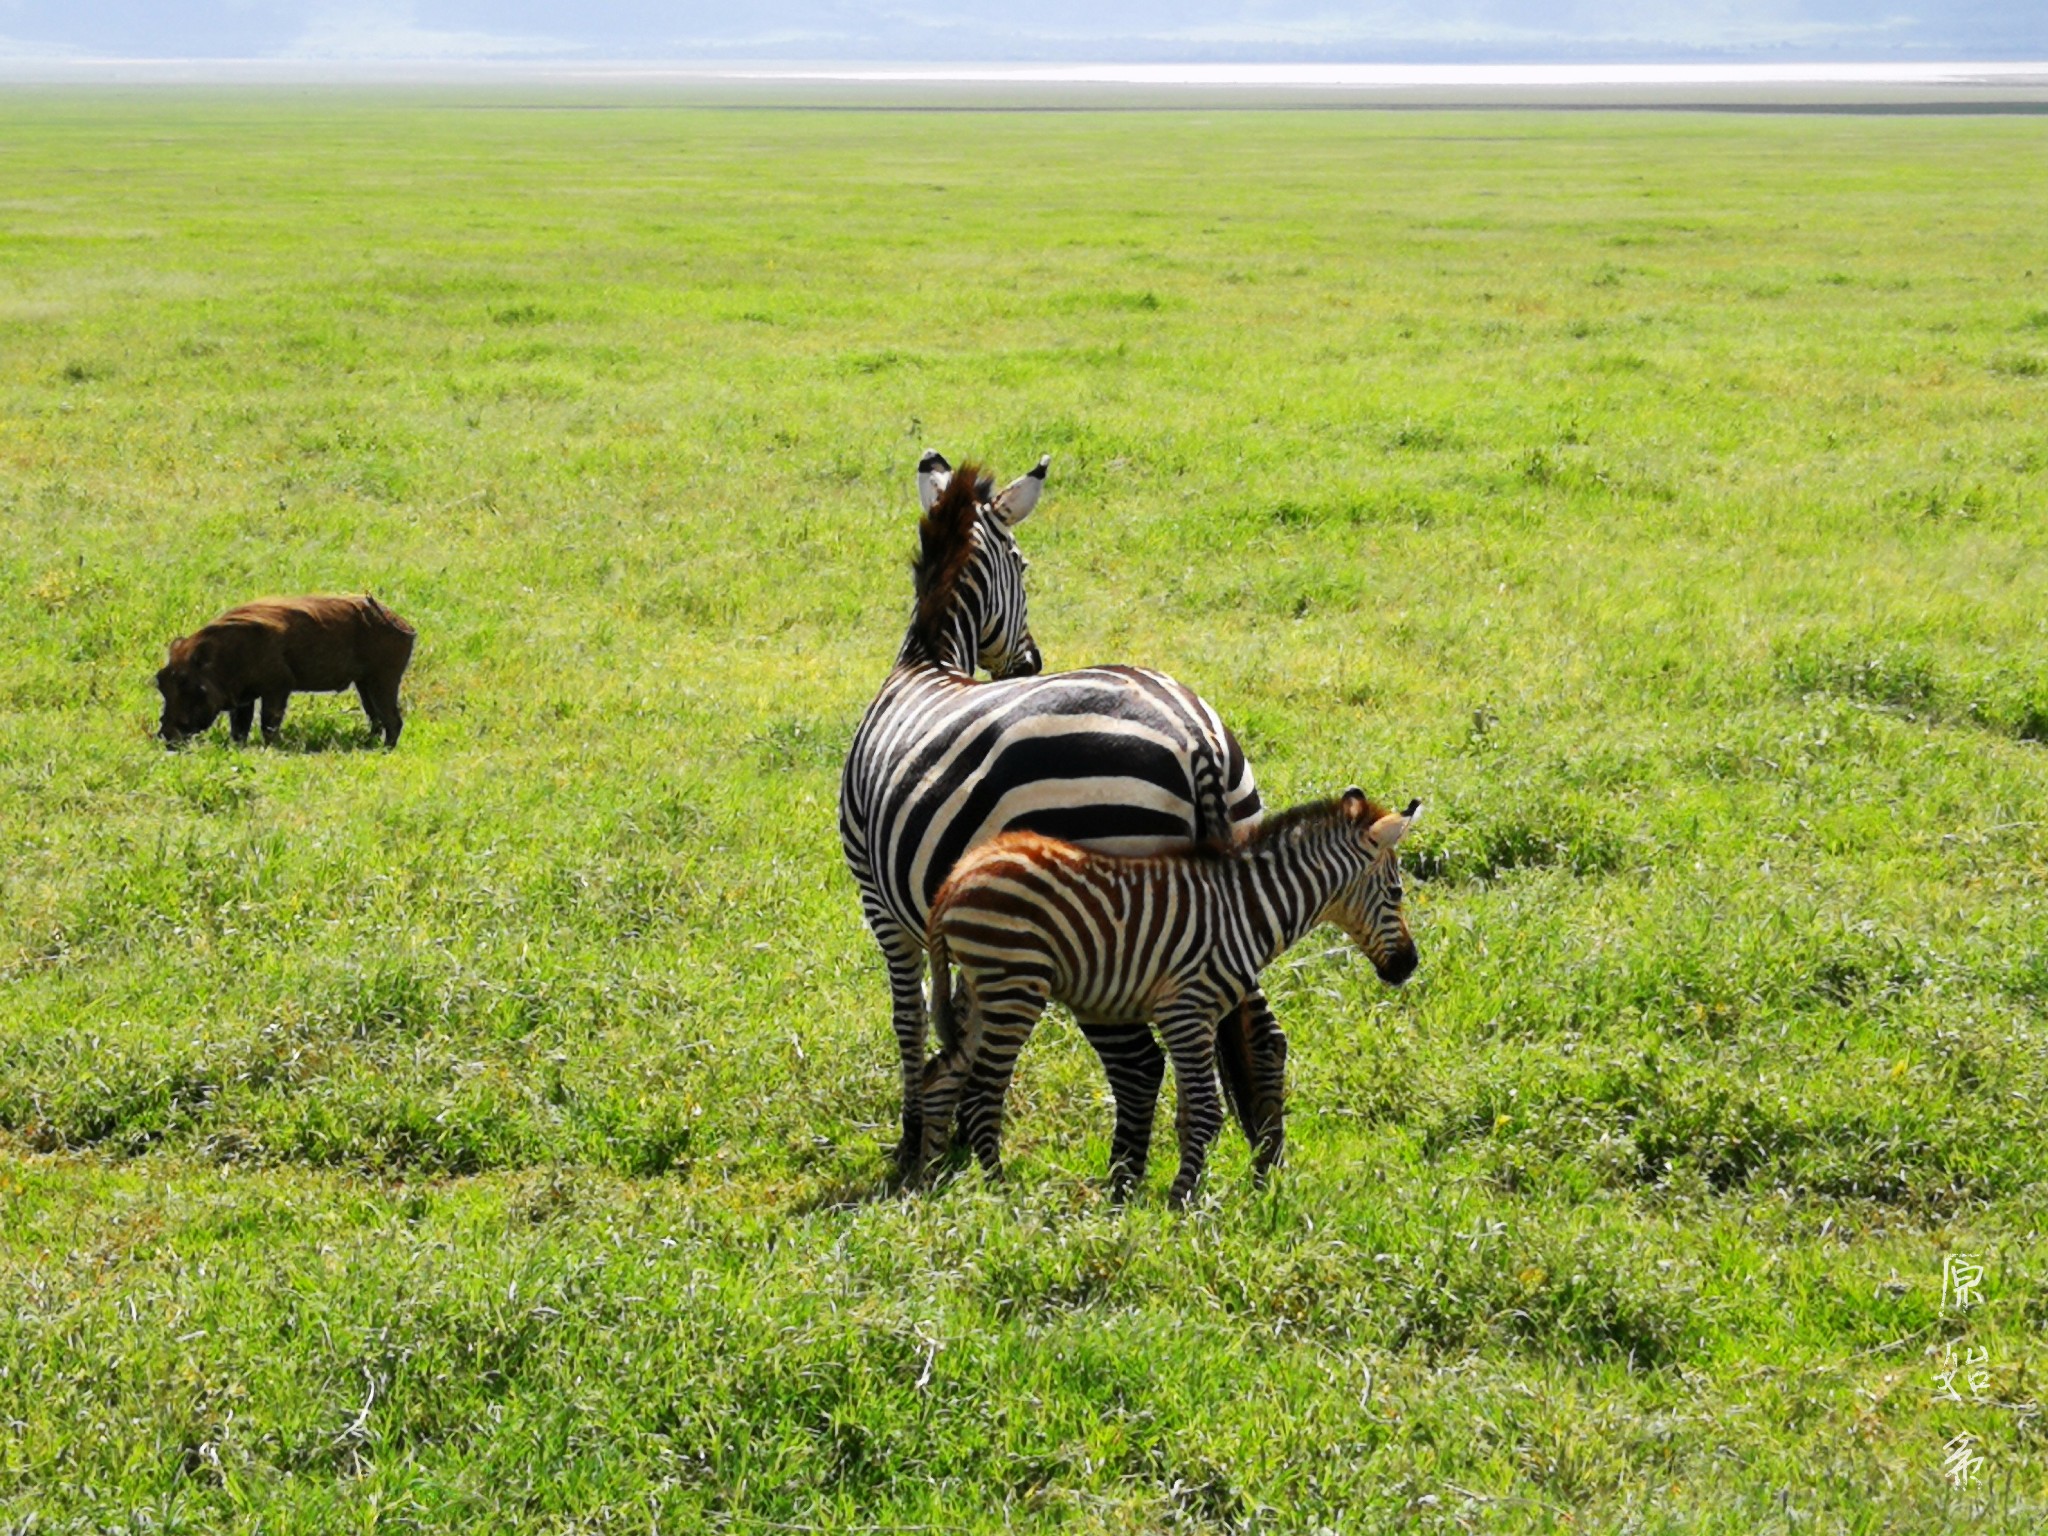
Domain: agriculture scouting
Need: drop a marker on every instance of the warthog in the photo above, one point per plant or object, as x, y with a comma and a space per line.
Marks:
270, 649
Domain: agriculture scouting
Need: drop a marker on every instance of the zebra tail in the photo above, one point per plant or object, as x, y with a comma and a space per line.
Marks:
1234, 1065
1212, 807
943, 1022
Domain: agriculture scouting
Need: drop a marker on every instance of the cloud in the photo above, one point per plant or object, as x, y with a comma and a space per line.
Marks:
389, 33
34, 51
1327, 33
1364, 30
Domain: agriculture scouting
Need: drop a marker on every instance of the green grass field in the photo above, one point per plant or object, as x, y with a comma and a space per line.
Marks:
490, 1135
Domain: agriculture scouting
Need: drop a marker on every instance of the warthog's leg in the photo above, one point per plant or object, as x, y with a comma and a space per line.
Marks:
273, 716
239, 716
381, 705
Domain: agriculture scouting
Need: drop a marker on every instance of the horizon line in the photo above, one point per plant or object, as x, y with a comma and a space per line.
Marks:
1360, 75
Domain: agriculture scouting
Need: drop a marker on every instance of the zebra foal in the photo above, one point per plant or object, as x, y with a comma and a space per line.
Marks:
1173, 940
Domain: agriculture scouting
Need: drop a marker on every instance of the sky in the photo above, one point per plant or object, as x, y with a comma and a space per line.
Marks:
930, 32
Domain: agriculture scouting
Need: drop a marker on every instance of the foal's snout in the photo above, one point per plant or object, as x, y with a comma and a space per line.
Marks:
1399, 965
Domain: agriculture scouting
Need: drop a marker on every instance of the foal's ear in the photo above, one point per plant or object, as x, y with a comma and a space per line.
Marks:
1393, 826
1355, 803
1014, 501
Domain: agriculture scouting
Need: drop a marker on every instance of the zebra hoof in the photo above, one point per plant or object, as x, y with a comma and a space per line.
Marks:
937, 1154
1272, 1149
908, 1160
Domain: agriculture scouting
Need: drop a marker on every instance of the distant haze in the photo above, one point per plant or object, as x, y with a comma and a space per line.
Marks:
596, 31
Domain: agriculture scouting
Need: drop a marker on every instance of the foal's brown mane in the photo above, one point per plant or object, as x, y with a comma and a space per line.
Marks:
1282, 822
945, 537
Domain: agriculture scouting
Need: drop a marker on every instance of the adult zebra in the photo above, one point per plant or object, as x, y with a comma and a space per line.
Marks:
1104, 757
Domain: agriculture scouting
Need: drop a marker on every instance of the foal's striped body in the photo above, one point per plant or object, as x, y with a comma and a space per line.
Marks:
1173, 940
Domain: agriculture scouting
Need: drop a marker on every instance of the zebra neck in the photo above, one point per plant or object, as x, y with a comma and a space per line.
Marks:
1285, 890
958, 649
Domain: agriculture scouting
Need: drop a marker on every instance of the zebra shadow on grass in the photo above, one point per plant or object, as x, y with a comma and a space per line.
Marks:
850, 1194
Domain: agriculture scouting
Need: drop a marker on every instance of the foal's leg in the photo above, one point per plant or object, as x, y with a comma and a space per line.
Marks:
1189, 1029
1006, 1010
1267, 1122
1136, 1067
945, 1075
1252, 1055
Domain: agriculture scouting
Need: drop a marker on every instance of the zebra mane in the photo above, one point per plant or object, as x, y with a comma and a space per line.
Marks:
945, 539
1314, 813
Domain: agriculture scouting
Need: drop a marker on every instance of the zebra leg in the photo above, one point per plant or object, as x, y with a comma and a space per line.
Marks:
1136, 1067
1190, 1033
1266, 1115
1234, 1066
1007, 1014
967, 1106
905, 958
946, 1075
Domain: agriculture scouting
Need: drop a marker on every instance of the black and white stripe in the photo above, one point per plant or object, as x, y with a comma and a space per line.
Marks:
941, 762
1175, 940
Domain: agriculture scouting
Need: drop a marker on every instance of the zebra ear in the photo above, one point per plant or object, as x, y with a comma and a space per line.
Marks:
1354, 802
1393, 826
1014, 501
932, 474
